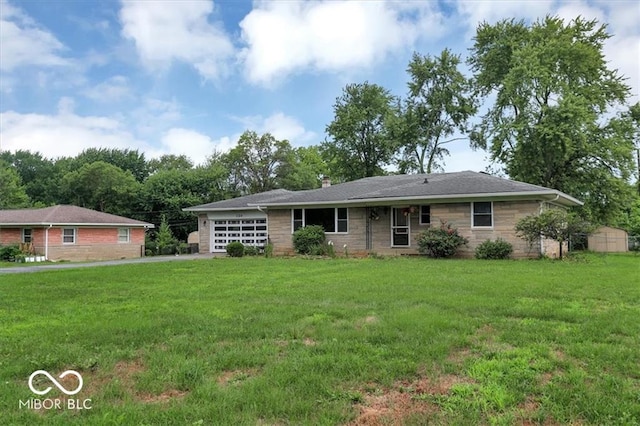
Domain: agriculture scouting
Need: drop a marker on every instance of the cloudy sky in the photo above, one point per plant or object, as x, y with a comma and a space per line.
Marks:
189, 76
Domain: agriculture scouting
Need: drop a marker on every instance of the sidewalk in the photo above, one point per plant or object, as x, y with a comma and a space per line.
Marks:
56, 266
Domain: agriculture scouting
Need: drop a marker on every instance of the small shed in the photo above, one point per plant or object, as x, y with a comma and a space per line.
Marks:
607, 239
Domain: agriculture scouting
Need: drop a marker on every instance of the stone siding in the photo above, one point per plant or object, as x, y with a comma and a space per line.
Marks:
505, 216
204, 231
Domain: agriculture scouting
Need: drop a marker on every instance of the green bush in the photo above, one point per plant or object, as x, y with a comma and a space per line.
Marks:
268, 250
251, 251
440, 242
235, 249
498, 249
309, 240
9, 253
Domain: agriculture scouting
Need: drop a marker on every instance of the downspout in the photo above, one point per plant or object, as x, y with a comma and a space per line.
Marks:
46, 242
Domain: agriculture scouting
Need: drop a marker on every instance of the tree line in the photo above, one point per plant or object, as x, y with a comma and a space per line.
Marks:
540, 99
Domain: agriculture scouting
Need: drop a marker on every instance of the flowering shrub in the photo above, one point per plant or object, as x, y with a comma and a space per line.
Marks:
440, 242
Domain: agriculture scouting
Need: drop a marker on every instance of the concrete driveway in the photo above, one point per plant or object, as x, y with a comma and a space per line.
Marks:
35, 267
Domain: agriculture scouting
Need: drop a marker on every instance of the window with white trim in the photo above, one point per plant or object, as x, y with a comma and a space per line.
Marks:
332, 220
425, 215
27, 236
123, 235
69, 235
482, 214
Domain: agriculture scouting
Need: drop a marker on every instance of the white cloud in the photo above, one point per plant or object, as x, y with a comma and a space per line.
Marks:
62, 134
113, 89
67, 134
177, 31
24, 43
281, 126
491, 11
155, 115
197, 146
283, 37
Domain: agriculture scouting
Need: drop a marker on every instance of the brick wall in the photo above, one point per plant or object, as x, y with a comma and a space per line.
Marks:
90, 243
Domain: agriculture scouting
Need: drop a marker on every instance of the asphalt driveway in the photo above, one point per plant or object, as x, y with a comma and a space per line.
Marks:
38, 267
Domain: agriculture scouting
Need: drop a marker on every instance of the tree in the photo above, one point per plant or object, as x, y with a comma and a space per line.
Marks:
257, 163
438, 105
12, 193
634, 116
101, 186
556, 224
39, 176
304, 169
165, 241
126, 159
360, 144
169, 162
551, 123
165, 193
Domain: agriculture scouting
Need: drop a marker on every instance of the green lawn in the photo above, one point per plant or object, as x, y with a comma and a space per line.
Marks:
299, 341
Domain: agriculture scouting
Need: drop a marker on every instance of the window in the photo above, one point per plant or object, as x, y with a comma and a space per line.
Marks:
482, 214
297, 219
425, 215
123, 235
331, 219
69, 235
26, 235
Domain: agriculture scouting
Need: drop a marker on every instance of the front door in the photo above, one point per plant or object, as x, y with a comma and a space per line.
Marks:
400, 227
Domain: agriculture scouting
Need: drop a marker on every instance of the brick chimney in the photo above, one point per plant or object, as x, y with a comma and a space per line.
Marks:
326, 181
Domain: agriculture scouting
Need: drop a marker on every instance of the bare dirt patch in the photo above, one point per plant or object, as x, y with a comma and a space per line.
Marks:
368, 320
403, 400
235, 376
165, 396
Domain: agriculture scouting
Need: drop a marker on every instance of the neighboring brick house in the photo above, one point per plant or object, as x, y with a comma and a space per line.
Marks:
382, 214
73, 233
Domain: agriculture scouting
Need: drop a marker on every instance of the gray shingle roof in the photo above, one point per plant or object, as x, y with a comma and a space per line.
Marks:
438, 186
66, 215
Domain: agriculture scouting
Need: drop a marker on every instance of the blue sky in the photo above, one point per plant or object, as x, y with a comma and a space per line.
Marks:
188, 77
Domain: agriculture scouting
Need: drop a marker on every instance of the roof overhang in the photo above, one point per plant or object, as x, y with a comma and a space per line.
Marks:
92, 225
252, 207
553, 196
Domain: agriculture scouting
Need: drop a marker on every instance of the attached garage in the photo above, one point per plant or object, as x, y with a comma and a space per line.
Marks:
249, 230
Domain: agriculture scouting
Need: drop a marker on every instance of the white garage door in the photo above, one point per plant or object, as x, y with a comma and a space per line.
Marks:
248, 231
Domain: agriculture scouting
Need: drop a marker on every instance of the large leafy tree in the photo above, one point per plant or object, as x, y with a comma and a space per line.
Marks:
127, 159
12, 193
304, 169
360, 143
101, 186
170, 162
39, 175
257, 163
550, 119
167, 192
634, 116
435, 112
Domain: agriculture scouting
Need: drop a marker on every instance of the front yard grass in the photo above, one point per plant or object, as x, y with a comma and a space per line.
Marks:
346, 341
